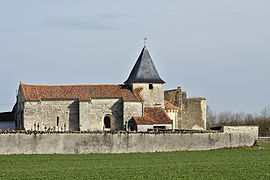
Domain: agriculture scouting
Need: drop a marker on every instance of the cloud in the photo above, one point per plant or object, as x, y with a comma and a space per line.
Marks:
110, 15
101, 21
237, 13
73, 23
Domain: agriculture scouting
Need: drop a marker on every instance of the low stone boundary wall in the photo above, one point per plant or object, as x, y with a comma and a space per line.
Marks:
119, 142
264, 139
237, 129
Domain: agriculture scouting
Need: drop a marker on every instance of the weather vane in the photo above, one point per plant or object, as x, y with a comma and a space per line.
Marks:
144, 41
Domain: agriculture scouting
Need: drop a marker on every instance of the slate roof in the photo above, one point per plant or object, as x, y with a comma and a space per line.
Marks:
169, 105
153, 115
144, 70
80, 92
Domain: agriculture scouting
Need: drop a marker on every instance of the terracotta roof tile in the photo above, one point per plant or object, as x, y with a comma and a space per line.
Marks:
142, 121
169, 105
81, 92
153, 115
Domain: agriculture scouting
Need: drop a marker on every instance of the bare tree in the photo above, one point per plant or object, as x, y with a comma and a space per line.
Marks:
238, 119
210, 117
265, 113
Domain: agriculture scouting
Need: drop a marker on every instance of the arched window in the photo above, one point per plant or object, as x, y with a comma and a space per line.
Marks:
107, 122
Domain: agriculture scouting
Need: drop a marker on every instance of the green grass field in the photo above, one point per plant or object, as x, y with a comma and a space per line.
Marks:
240, 163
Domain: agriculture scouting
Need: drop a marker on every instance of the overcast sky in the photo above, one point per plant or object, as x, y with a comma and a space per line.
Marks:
214, 49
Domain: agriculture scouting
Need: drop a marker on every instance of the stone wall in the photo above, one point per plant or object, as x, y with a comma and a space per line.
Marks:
120, 142
152, 98
132, 109
46, 114
173, 116
92, 114
240, 129
73, 115
84, 111
175, 97
192, 111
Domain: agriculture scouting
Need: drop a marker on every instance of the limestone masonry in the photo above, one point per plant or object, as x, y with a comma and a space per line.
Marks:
69, 143
140, 104
240, 129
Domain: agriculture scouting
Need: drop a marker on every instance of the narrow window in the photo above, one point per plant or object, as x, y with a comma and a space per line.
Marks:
107, 122
57, 121
150, 86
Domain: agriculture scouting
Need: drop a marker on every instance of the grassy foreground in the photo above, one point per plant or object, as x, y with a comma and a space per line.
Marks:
240, 163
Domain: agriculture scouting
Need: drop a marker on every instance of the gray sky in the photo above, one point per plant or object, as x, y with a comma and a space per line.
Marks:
215, 49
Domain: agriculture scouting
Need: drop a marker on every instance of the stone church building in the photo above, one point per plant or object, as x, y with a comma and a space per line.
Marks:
139, 104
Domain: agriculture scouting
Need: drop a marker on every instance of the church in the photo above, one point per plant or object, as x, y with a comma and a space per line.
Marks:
139, 104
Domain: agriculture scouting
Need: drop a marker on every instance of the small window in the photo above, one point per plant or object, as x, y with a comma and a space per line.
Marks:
150, 86
107, 122
57, 121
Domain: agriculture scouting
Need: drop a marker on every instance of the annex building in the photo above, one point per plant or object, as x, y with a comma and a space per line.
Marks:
139, 104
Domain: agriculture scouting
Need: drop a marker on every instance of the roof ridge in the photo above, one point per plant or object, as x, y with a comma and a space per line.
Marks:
72, 84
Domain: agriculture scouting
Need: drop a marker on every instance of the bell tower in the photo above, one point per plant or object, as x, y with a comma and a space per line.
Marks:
144, 75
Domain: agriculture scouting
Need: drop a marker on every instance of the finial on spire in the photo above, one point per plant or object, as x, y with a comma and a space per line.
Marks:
144, 41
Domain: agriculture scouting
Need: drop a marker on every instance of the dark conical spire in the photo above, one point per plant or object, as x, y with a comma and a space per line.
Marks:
144, 70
